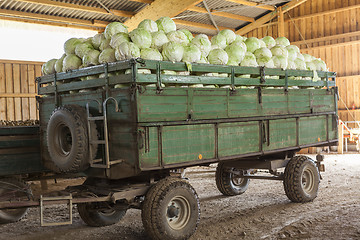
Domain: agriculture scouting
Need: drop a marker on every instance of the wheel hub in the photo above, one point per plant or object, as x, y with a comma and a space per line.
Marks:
173, 211
178, 212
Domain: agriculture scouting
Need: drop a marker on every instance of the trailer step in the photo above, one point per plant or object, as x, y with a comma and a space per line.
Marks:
43, 201
97, 118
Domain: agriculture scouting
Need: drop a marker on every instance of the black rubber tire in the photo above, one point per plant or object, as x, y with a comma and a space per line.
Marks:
227, 182
22, 192
167, 194
99, 218
68, 141
301, 179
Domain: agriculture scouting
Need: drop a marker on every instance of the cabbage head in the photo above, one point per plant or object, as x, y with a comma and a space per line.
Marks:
114, 28
320, 64
59, 63
249, 60
97, 39
262, 43
240, 38
203, 43
127, 50
280, 62
263, 52
70, 45
218, 56
173, 52
158, 40
269, 41
119, 38
141, 37
299, 55
107, 56
283, 41
308, 58
191, 54
104, 44
166, 24
178, 37
71, 62
240, 44
310, 66
229, 35
82, 49
293, 52
188, 34
252, 44
279, 50
291, 64
151, 54
236, 54
91, 58
203, 60
300, 64
149, 25
265, 62
218, 41
49, 67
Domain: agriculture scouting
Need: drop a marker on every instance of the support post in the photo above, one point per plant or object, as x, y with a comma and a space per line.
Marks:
341, 138
281, 23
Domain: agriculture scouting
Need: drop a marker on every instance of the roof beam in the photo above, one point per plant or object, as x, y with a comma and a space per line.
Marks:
253, 4
259, 22
160, 8
77, 7
198, 25
62, 20
222, 14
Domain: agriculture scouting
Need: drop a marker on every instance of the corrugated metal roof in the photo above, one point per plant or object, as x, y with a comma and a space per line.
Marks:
132, 6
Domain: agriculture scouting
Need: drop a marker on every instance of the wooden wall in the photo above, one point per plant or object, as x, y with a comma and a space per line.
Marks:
18, 89
330, 30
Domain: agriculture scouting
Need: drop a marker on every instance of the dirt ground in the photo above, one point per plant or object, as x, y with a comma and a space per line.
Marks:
262, 212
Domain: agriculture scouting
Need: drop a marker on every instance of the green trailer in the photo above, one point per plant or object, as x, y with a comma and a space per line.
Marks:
131, 126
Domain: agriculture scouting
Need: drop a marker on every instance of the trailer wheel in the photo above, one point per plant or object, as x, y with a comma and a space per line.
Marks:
67, 137
301, 179
12, 189
95, 215
171, 210
229, 183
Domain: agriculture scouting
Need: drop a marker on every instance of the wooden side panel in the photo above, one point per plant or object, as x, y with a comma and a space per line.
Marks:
18, 90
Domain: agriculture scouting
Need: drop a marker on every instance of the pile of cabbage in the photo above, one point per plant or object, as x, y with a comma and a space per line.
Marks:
160, 40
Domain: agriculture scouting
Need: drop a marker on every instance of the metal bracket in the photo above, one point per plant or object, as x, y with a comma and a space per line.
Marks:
233, 78
158, 78
49, 199
262, 75
259, 95
286, 81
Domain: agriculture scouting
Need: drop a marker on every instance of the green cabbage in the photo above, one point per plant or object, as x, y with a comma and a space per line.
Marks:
320, 64
279, 50
173, 51
252, 44
203, 60
107, 56
119, 38
291, 64
283, 41
229, 35
262, 43
203, 43
218, 41
82, 49
49, 67
265, 62
71, 62
105, 43
236, 54
191, 54
127, 50
91, 58
178, 37
263, 52
240, 44
151, 54
293, 52
59, 63
218, 56
308, 58
249, 60
188, 34
141, 38
69, 45
166, 24
269, 41
97, 39
299, 55
158, 40
280, 62
310, 66
300, 64
149, 25
114, 28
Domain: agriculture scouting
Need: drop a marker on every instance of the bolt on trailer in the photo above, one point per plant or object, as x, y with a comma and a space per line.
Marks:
128, 125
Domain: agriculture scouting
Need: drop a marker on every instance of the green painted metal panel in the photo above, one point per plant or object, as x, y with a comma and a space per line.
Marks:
187, 143
21, 163
282, 134
238, 138
312, 130
149, 148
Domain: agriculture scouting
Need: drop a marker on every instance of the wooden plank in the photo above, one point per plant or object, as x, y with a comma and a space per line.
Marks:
10, 111
24, 87
222, 14
329, 38
341, 139
2, 90
198, 25
17, 95
32, 90
281, 25
20, 62
17, 89
253, 4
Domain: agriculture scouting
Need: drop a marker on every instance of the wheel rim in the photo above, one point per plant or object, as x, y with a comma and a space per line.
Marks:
63, 140
11, 192
237, 181
178, 212
307, 180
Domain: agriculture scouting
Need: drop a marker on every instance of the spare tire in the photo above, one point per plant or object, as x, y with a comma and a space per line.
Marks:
68, 139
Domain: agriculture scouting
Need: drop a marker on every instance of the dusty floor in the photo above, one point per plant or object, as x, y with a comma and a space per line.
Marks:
263, 212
